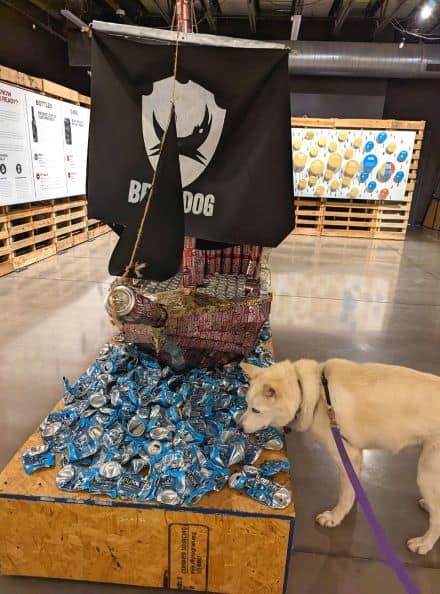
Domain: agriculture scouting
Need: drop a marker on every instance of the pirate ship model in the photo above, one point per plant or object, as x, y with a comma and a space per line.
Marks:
185, 166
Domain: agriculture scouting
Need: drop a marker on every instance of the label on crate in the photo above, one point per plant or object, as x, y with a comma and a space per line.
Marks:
46, 132
75, 122
188, 553
16, 183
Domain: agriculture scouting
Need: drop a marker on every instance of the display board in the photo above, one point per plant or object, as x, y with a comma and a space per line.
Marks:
43, 147
47, 147
75, 137
351, 163
16, 175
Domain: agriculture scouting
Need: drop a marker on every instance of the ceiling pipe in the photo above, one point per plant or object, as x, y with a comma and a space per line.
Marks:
375, 60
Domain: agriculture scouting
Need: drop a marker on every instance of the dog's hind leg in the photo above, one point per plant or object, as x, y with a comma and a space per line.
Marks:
333, 517
428, 474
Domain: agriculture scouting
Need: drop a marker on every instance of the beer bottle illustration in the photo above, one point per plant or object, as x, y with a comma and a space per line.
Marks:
34, 126
67, 130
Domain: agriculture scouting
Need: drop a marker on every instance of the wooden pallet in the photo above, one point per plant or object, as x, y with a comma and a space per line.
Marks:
374, 219
31, 232
5, 248
97, 228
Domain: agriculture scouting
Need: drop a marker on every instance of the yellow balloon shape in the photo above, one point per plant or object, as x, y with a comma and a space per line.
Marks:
314, 151
320, 190
309, 135
334, 185
312, 180
299, 161
297, 144
328, 175
391, 148
343, 135
332, 146
322, 141
351, 168
316, 167
334, 161
349, 153
354, 192
357, 142
346, 181
302, 184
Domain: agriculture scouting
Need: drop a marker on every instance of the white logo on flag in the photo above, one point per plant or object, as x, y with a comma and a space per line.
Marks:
199, 122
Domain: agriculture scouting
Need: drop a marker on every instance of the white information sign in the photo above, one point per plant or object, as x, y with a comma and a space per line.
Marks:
16, 175
75, 120
47, 146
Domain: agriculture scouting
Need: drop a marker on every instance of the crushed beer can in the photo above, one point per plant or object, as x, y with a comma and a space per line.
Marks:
269, 438
38, 457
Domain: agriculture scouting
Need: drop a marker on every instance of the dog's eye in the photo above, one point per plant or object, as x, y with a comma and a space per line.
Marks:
254, 410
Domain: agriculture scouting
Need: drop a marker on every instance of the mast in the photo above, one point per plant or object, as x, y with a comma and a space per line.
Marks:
184, 16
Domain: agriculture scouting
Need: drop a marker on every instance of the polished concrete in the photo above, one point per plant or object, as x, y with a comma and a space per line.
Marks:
365, 300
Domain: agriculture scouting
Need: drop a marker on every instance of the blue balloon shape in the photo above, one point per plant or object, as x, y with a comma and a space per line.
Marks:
381, 137
369, 146
372, 186
402, 156
363, 176
370, 162
399, 177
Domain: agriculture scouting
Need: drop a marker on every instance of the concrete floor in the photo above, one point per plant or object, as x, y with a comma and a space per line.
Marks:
365, 300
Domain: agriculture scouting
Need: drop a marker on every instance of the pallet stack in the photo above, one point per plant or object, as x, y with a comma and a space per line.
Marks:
375, 219
33, 231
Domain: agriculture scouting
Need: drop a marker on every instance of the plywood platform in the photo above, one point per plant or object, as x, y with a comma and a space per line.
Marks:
227, 543
374, 219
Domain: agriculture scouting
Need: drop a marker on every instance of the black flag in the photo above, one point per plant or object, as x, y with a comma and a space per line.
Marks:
233, 131
159, 250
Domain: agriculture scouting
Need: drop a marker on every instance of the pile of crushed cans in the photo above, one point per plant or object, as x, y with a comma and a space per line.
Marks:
133, 429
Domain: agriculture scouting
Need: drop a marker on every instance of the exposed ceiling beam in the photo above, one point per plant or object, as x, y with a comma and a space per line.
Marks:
252, 13
51, 7
16, 6
335, 8
374, 6
387, 20
210, 15
342, 16
296, 12
164, 14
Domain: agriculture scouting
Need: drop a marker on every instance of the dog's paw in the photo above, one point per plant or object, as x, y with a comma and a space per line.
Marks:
419, 545
328, 519
423, 505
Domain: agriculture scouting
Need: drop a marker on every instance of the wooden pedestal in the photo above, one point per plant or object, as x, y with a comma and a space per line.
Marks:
227, 543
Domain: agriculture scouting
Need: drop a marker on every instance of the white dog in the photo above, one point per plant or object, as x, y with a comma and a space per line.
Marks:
376, 406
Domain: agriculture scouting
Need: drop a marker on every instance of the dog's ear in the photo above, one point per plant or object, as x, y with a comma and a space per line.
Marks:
269, 391
250, 370
308, 373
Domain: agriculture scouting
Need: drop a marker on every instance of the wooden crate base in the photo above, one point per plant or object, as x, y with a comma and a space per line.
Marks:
227, 543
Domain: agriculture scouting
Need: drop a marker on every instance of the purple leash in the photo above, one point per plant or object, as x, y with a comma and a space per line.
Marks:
388, 555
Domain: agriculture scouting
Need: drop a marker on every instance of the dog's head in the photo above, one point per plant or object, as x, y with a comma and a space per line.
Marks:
281, 393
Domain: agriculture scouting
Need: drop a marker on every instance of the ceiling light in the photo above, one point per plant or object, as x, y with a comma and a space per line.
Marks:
120, 12
402, 42
427, 9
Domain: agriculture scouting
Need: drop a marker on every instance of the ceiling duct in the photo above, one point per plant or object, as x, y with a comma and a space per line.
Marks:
376, 60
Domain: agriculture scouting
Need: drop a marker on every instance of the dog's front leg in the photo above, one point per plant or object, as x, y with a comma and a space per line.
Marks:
322, 433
